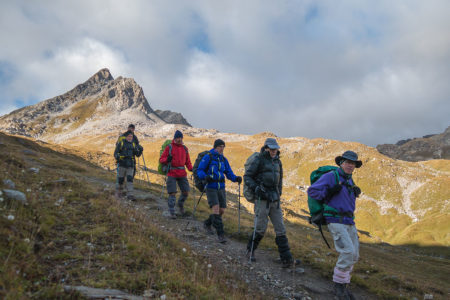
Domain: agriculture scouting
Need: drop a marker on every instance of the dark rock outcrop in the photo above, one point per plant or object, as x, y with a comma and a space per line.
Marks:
172, 117
432, 146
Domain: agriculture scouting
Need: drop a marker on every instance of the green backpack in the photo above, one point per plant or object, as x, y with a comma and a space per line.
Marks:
316, 208
163, 169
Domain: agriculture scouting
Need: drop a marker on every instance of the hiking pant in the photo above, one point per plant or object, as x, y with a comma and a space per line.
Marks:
346, 243
272, 211
216, 197
125, 173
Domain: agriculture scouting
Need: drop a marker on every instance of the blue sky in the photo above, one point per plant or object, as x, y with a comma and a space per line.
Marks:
367, 71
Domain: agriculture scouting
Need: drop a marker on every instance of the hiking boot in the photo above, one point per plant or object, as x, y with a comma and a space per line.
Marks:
287, 263
341, 292
181, 210
208, 229
221, 239
252, 258
172, 215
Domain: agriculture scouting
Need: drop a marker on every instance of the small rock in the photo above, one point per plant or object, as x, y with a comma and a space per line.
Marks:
427, 297
184, 249
34, 170
319, 260
297, 296
59, 201
151, 293
299, 270
27, 240
9, 183
10, 217
16, 195
67, 247
163, 297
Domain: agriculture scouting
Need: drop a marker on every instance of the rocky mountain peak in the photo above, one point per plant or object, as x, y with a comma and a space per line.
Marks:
102, 101
101, 77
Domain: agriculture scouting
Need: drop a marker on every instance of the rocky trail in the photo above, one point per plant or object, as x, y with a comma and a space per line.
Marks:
265, 275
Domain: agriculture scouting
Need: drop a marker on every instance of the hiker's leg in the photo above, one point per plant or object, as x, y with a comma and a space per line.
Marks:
261, 215
353, 233
117, 177
171, 190
183, 184
276, 217
222, 201
130, 172
121, 173
344, 246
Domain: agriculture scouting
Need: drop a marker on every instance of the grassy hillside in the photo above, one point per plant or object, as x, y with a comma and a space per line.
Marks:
72, 231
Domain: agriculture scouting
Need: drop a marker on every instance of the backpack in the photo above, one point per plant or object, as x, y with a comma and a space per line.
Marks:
316, 207
164, 169
199, 184
249, 194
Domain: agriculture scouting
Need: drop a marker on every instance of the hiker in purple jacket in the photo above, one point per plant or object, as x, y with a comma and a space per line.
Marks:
341, 197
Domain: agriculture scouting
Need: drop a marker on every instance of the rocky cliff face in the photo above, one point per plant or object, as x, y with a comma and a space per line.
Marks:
172, 117
434, 146
102, 103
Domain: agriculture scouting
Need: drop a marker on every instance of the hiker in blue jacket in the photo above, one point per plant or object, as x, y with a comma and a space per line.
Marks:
213, 168
341, 197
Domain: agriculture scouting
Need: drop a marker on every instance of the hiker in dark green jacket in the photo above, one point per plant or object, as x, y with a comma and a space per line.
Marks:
265, 177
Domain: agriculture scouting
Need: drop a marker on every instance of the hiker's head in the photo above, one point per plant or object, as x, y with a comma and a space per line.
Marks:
131, 128
178, 137
348, 161
129, 135
271, 146
219, 146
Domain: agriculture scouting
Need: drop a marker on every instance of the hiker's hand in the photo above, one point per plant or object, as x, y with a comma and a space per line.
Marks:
169, 159
334, 190
239, 179
260, 191
140, 148
209, 179
117, 157
357, 191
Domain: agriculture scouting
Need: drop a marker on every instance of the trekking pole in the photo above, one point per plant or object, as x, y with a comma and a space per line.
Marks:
254, 229
145, 167
163, 185
195, 207
239, 210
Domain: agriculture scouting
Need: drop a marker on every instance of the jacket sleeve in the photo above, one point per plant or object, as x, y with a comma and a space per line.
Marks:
117, 150
136, 139
318, 190
201, 170
280, 184
251, 174
188, 160
228, 171
164, 156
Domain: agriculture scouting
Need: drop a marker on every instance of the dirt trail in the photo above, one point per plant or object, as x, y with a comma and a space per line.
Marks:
265, 275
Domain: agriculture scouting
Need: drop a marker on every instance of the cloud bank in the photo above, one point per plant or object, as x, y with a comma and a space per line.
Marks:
372, 72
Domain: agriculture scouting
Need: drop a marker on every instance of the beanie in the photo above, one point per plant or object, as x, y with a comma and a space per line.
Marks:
178, 134
218, 143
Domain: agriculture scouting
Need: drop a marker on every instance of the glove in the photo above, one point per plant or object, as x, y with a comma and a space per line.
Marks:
209, 179
117, 157
239, 179
140, 148
260, 191
169, 159
334, 190
357, 191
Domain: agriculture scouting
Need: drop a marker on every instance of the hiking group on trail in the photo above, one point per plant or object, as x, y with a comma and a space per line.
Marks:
331, 196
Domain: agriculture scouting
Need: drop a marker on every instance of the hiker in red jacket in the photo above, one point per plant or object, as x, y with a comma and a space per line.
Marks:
176, 155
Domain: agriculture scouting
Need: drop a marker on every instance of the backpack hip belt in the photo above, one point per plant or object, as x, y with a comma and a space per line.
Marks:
340, 215
177, 168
